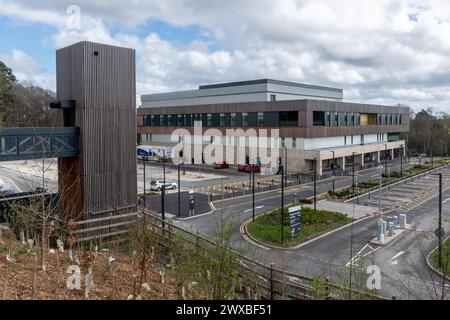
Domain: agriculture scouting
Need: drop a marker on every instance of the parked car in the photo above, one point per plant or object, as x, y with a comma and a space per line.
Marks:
157, 185
223, 165
241, 168
248, 168
252, 168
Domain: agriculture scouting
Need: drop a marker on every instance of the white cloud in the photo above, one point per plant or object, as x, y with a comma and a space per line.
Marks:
25, 68
387, 51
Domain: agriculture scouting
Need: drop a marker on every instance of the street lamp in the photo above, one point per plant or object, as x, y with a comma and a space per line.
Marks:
285, 164
163, 190
439, 230
315, 184
353, 172
334, 165
282, 204
401, 160
253, 193
143, 162
385, 159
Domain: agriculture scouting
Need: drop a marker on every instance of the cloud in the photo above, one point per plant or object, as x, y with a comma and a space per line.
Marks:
379, 51
25, 68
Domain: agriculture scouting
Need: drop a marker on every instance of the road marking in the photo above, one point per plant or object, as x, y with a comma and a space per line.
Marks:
446, 200
258, 207
394, 260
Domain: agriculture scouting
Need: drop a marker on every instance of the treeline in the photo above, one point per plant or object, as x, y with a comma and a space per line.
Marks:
429, 133
23, 104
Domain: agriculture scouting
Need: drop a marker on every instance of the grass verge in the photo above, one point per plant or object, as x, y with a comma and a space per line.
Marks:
434, 258
267, 227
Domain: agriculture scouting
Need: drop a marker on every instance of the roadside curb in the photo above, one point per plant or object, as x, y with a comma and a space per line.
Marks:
427, 260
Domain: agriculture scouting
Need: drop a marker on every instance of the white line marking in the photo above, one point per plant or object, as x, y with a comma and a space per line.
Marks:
394, 260
446, 200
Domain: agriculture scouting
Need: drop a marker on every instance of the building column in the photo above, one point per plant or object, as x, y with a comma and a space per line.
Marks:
392, 154
319, 166
343, 163
379, 155
362, 159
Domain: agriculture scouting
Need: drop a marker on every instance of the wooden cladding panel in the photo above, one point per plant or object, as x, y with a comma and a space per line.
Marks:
101, 78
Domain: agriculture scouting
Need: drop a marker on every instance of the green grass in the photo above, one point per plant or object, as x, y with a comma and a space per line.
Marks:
434, 259
267, 227
342, 193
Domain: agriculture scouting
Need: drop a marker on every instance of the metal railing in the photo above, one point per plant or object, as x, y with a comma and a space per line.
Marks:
267, 282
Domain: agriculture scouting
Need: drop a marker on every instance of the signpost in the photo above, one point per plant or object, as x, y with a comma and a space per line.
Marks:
295, 217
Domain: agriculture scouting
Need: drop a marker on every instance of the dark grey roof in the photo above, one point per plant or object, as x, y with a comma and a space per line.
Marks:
260, 81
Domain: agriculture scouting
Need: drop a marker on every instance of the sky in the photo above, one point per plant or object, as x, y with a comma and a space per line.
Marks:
383, 51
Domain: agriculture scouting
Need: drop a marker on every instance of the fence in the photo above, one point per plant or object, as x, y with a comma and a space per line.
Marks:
266, 282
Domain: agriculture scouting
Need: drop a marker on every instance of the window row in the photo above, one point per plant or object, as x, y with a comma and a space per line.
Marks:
331, 119
231, 119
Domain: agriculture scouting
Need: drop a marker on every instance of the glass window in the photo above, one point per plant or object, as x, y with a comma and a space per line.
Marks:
271, 119
188, 120
294, 145
318, 118
209, 120
288, 118
336, 119
222, 120
233, 119
181, 120
244, 119
216, 119
342, 119
164, 120
357, 119
238, 119
260, 119
252, 119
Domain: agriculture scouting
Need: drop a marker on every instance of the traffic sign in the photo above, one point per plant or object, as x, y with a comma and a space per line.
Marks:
295, 217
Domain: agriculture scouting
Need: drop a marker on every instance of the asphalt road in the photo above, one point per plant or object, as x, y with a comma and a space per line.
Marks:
404, 277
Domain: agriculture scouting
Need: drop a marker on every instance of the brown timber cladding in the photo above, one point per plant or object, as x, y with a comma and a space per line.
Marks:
101, 78
305, 110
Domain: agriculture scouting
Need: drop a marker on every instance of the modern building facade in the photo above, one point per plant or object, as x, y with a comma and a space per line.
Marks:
315, 125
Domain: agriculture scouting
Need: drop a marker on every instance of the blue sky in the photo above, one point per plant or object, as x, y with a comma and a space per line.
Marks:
374, 50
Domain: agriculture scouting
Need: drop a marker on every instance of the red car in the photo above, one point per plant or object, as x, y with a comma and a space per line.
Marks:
248, 168
241, 168
223, 165
252, 169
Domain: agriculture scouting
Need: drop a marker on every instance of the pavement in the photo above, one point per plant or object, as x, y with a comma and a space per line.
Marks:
351, 210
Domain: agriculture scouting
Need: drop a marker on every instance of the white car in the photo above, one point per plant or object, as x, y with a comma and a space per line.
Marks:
156, 185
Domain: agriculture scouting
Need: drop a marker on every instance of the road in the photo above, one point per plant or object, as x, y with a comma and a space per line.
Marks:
406, 276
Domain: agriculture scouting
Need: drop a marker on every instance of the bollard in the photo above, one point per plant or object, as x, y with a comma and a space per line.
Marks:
379, 229
402, 220
391, 229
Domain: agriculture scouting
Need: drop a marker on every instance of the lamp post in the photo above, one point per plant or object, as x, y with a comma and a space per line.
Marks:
143, 162
334, 172
253, 194
315, 184
385, 159
379, 188
178, 187
285, 164
439, 232
401, 160
353, 172
163, 190
282, 205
